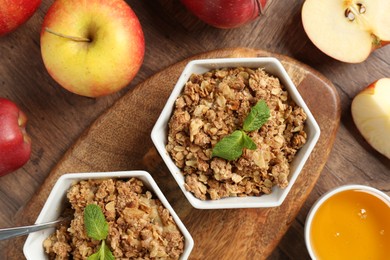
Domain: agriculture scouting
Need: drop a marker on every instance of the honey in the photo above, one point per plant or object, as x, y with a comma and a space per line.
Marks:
352, 224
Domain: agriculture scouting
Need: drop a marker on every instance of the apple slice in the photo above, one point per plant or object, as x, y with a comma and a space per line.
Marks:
347, 30
371, 113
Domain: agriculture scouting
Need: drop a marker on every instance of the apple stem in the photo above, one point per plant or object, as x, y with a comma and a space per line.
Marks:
73, 38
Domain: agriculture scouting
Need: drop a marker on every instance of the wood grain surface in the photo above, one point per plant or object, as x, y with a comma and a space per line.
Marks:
120, 140
58, 119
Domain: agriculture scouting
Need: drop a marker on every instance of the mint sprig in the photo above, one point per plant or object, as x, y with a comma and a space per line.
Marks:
97, 228
230, 147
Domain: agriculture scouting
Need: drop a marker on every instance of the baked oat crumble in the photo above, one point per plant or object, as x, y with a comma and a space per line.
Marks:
215, 104
140, 227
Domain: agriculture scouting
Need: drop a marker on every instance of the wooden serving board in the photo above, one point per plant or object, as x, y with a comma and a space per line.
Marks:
120, 140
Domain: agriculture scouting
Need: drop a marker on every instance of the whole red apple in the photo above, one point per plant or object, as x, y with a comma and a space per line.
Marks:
15, 144
225, 14
14, 13
92, 48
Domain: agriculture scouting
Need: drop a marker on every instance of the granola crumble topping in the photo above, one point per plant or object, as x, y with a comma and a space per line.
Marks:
140, 227
215, 104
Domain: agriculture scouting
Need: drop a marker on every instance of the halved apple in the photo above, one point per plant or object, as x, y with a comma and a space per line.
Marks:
347, 30
371, 113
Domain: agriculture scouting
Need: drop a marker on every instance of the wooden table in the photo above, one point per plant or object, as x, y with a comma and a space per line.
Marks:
57, 118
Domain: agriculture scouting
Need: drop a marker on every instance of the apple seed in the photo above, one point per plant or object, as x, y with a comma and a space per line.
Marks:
362, 8
349, 14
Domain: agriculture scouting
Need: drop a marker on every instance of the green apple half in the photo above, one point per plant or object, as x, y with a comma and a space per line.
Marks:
371, 113
92, 48
347, 30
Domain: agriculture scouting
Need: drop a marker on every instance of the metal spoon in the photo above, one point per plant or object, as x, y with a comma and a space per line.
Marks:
6, 233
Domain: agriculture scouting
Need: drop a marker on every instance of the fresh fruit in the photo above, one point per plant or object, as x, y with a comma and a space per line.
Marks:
15, 144
14, 13
225, 14
371, 113
92, 48
347, 30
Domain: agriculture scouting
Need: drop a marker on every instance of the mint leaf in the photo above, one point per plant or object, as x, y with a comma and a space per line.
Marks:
248, 142
95, 222
107, 253
230, 147
258, 115
104, 253
95, 256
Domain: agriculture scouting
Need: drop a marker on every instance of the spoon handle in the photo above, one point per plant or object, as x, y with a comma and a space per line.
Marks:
6, 233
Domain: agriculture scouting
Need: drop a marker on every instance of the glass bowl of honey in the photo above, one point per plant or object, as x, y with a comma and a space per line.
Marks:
349, 222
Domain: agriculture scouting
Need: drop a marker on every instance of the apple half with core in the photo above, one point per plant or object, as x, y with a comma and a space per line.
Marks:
347, 30
225, 14
371, 113
14, 13
15, 144
92, 48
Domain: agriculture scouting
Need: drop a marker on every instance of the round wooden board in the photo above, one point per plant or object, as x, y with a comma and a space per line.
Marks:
120, 140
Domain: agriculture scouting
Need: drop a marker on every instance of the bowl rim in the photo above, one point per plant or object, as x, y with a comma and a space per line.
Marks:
324, 197
144, 176
165, 114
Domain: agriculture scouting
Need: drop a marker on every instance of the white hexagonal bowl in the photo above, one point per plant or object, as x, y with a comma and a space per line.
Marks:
33, 247
274, 67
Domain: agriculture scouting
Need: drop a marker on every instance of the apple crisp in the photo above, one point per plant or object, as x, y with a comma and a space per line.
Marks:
140, 227
212, 106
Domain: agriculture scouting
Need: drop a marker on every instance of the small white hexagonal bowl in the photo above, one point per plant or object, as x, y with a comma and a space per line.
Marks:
33, 247
274, 67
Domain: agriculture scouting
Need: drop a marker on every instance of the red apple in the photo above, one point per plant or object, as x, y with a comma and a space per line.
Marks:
226, 14
92, 48
14, 13
15, 144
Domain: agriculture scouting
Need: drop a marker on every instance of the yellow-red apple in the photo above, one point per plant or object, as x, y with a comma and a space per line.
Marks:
13, 13
347, 30
371, 113
15, 144
92, 48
